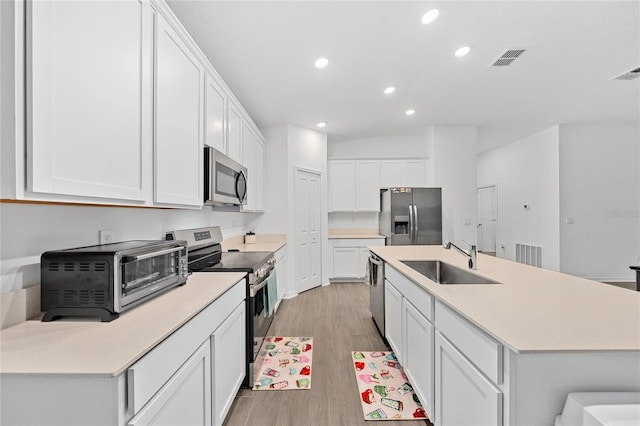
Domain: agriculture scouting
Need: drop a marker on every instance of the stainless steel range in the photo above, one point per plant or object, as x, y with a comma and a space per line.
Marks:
205, 255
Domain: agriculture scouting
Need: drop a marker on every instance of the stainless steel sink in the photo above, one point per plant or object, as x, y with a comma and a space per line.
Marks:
444, 273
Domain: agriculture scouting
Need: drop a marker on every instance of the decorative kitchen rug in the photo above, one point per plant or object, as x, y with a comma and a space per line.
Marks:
284, 363
385, 391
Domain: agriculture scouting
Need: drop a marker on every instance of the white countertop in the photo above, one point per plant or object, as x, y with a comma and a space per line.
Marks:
264, 242
71, 346
533, 309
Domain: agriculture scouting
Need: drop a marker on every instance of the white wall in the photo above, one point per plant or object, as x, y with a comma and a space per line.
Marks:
526, 172
600, 191
454, 155
380, 147
28, 230
290, 147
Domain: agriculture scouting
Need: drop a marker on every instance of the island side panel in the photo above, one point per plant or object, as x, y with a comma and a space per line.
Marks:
538, 383
64, 400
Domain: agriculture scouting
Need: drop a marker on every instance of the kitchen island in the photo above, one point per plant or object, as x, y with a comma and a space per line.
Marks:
521, 345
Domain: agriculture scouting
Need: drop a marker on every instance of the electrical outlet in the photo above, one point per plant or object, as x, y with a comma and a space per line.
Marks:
106, 236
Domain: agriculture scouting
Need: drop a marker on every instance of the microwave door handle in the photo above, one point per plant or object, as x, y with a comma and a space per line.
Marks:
241, 177
127, 259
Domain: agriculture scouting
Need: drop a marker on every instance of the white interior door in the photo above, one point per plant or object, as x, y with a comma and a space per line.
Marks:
308, 254
487, 219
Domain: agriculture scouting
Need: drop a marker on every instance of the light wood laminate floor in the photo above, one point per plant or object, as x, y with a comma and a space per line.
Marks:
337, 317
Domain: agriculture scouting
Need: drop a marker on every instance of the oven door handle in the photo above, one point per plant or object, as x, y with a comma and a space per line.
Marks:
127, 259
256, 287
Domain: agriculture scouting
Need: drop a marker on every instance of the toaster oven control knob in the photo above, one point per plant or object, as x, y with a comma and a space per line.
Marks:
184, 268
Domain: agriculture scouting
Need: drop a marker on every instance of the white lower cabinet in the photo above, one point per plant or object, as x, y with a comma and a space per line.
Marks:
418, 354
189, 378
346, 262
185, 399
393, 319
463, 395
229, 367
281, 271
452, 389
410, 335
349, 257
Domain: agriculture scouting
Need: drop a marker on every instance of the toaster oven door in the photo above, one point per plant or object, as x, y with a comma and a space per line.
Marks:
148, 274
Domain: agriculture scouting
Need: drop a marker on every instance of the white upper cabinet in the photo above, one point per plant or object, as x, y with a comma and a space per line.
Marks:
89, 99
179, 112
249, 142
234, 132
414, 173
215, 115
342, 185
409, 173
260, 175
368, 186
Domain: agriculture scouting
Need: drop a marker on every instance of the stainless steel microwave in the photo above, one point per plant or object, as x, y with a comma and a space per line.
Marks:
104, 280
225, 180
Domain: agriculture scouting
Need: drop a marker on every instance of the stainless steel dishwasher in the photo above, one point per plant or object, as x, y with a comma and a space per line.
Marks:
376, 291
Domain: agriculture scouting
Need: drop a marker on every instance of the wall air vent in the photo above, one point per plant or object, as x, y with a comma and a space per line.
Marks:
629, 75
508, 57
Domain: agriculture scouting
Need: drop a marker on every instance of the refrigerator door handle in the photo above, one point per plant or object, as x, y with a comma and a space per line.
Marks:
411, 223
415, 224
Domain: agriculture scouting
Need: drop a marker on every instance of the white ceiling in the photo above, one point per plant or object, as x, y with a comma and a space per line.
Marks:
265, 50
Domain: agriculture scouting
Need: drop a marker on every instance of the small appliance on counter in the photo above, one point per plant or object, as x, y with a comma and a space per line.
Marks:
105, 280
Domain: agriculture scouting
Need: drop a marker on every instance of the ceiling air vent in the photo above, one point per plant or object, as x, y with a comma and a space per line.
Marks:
508, 57
629, 75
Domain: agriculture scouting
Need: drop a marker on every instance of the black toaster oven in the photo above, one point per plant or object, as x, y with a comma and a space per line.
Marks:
105, 280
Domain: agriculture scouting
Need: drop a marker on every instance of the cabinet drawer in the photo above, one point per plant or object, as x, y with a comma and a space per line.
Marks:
153, 370
419, 298
484, 352
349, 242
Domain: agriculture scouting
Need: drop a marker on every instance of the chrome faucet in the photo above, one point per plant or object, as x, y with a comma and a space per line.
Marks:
471, 255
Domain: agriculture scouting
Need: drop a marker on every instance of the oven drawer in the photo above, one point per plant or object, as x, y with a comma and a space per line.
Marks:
153, 370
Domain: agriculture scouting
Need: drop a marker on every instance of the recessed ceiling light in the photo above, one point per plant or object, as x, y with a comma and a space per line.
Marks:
462, 51
430, 16
322, 62
410, 111
322, 124
389, 90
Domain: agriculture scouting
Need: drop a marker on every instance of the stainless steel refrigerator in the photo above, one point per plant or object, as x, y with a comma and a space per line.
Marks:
410, 216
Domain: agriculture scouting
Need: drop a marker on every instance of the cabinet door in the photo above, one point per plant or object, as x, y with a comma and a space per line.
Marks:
215, 114
260, 175
346, 262
393, 319
249, 143
368, 186
390, 173
463, 395
281, 272
342, 186
179, 106
185, 399
418, 360
229, 362
89, 98
413, 173
234, 132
